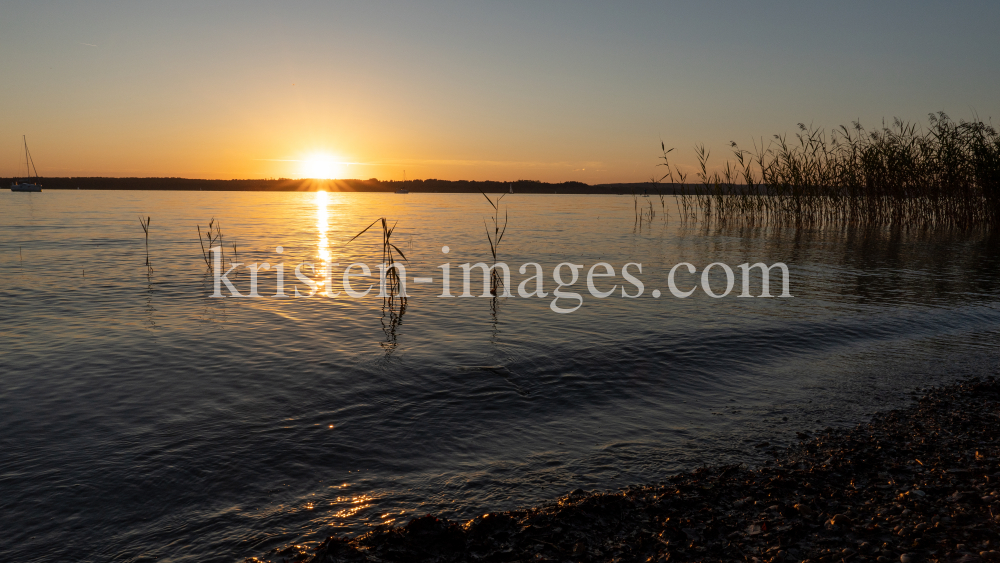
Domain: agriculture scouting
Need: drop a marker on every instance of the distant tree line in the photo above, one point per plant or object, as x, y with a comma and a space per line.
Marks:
431, 185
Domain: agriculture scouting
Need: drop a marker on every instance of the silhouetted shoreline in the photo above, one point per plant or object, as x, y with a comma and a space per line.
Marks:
414, 186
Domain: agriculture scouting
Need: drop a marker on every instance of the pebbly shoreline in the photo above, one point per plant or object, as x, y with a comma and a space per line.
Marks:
916, 484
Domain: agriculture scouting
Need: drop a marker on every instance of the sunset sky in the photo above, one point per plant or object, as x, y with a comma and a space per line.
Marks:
552, 91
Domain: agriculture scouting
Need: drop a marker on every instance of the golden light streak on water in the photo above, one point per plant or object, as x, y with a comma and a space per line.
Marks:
322, 226
359, 503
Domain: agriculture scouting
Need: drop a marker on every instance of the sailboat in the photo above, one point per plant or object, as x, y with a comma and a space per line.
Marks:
25, 185
403, 190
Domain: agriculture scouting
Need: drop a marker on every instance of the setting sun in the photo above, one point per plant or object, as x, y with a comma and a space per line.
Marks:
322, 166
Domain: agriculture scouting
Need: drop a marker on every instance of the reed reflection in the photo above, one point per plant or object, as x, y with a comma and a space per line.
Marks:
880, 264
150, 310
393, 309
392, 283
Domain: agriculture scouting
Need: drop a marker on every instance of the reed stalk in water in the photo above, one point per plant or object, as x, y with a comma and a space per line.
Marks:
391, 273
496, 281
392, 309
145, 229
675, 177
213, 236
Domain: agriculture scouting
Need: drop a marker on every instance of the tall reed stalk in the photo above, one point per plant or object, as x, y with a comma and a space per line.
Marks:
391, 274
684, 206
392, 310
213, 236
496, 281
635, 207
145, 229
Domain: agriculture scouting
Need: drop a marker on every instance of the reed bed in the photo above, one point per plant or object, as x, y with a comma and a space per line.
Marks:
900, 175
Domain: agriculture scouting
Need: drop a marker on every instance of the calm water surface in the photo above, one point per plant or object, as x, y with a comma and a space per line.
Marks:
141, 419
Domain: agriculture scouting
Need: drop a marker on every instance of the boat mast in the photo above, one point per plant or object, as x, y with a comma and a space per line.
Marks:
29, 163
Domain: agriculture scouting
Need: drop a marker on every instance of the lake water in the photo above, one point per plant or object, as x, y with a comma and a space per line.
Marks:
142, 419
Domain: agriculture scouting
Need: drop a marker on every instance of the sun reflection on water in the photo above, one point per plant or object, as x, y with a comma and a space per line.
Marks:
356, 504
322, 225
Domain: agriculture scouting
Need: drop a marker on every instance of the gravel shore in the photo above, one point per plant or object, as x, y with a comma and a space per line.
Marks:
917, 484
